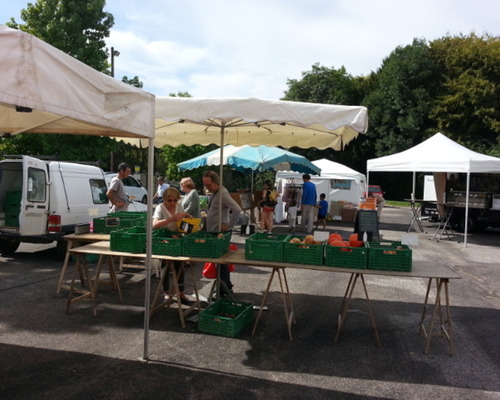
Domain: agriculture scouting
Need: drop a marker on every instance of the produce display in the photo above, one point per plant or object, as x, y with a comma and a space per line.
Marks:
334, 252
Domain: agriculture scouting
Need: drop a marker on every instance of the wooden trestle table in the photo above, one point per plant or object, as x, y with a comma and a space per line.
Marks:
439, 323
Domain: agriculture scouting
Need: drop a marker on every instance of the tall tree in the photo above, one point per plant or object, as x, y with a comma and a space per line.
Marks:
468, 103
324, 85
77, 27
400, 101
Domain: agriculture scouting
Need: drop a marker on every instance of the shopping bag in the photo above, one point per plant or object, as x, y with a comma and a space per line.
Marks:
210, 270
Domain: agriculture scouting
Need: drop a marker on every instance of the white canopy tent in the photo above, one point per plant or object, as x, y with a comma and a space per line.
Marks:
44, 90
337, 181
437, 154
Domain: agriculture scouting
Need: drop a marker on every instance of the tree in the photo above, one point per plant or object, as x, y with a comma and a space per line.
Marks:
324, 85
467, 105
401, 99
133, 82
77, 27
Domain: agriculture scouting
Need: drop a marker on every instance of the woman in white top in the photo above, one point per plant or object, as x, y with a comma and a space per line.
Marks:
166, 216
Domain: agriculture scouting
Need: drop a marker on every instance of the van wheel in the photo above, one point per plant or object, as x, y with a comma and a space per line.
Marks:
144, 200
472, 224
61, 249
8, 247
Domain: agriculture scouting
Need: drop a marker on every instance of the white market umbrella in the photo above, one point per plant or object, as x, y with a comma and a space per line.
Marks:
189, 121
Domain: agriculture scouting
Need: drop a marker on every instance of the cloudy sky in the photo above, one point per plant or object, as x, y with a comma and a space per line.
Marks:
250, 48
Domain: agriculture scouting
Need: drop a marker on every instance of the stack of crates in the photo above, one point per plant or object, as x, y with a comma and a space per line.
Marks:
12, 207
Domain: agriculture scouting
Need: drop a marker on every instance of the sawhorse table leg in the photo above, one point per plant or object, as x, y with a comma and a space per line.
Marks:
345, 306
445, 325
112, 275
175, 274
79, 266
287, 300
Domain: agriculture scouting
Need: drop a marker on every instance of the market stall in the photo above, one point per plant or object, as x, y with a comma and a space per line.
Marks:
343, 187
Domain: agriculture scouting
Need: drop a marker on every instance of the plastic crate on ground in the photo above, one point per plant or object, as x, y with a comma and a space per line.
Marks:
390, 256
346, 256
265, 246
225, 318
206, 244
302, 253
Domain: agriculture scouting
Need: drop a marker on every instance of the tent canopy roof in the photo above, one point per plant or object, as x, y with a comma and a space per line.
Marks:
436, 154
335, 170
329, 170
247, 159
60, 94
190, 121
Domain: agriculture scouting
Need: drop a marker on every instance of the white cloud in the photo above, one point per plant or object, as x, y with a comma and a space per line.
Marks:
240, 48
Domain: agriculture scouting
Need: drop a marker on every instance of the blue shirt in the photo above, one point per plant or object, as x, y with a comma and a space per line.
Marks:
323, 208
309, 193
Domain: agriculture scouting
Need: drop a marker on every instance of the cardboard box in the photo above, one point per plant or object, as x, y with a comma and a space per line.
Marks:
349, 214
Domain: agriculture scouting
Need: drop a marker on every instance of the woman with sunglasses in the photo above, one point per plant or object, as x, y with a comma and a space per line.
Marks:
166, 216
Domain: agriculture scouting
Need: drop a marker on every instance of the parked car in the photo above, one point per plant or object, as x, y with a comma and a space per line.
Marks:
375, 189
133, 188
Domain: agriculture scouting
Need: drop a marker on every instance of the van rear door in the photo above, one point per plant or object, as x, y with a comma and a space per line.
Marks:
35, 198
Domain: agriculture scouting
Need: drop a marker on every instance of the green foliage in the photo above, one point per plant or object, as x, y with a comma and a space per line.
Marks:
77, 27
133, 81
467, 105
401, 98
324, 85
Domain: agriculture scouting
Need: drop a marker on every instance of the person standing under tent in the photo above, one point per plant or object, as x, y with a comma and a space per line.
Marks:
162, 186
292, 215
166, 216
323, 210
191, 200
267, 203
116, 193
221, 207
308, 203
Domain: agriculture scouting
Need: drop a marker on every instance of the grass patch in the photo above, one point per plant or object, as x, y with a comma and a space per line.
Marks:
395, 203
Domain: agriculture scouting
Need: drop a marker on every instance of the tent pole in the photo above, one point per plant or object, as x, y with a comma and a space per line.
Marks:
149, 247
221, 173
413, 197
466, 230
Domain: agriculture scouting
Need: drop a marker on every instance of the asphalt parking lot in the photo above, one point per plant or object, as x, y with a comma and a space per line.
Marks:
48, 354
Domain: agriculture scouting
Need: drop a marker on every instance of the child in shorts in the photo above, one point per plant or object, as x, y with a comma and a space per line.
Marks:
323, 210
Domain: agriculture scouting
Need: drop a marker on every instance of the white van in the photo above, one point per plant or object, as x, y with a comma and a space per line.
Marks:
41, 201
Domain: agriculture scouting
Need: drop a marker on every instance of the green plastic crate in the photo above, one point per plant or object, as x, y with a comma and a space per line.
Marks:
114, 223
390, 256
129, 214
12, 219
265, 246
225, 318
13, 198
132, 240
301, 253
346, 257
206, 244
166, 245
